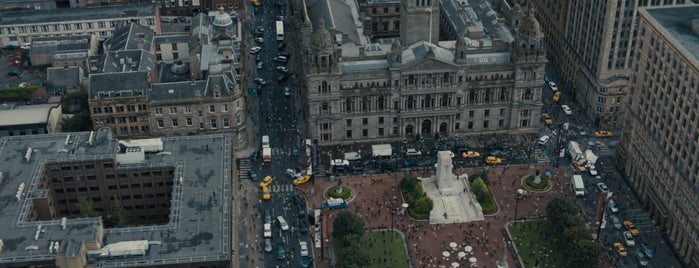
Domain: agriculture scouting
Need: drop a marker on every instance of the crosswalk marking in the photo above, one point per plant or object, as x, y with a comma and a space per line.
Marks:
276, 188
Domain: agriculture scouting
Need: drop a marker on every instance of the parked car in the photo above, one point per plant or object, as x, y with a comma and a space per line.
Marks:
547, 119
253, 176
603, 134
620, 249
553, 86
470, 154
492, 160
616, 223
579, 167
280, 58
412, 152
613, 206
631, 228
544, 139
254, 50
593, 170
259, 65
268, 245
647, 250
14, 72
268, 217
410, 163
566, 109
602, 187
557, 96
628, 239
259, 40
260, 81
282, 69
642, 260
303, 245
281, 252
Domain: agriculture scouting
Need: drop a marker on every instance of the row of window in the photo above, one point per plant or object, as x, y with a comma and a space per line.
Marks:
188, 109
52, 28
213, 123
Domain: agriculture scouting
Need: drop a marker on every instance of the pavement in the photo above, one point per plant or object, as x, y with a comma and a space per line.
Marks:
426, 242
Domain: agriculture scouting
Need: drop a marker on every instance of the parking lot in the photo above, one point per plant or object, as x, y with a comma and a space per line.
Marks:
24, 72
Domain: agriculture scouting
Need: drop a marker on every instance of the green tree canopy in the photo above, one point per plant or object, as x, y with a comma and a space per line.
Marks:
352, 253
423, 205
583, 253
85, 207
79, 122
557, 210
347, 223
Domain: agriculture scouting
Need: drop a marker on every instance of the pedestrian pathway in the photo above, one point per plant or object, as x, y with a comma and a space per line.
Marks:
427, 243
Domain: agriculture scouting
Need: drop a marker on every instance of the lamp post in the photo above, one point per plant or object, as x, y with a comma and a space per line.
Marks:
516, 206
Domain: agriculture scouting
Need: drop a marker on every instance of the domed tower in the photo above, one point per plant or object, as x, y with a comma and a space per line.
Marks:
419, 20
529, 39
323, 49
396, 54
461, 48
223, 26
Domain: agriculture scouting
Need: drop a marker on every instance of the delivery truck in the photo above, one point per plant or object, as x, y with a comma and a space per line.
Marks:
577, 185
335, 203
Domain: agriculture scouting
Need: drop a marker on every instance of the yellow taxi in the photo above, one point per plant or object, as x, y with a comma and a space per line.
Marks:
492, 160
631, 228
547, 119
301, 180
620, 249
579, 167
255, 3
265, 193
266, 181
603, 134
470, 154
557, 96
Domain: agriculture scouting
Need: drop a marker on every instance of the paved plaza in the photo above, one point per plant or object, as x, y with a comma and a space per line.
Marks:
427, 242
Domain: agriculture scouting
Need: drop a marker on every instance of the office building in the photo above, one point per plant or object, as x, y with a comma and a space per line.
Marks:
590, 44
481, 80
659, 148
87, 200
17, 28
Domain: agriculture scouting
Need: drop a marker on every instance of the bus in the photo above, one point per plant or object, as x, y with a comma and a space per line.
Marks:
280, 30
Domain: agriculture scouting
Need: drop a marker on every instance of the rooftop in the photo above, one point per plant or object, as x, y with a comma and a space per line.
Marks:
118, 82
677, 22
340, 17
198, 230
56, 44
77, 14
25, 115
131, 36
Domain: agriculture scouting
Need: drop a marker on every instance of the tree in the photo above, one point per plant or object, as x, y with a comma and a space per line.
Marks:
79, 122
121, 218
408, 184
353, 253
583, 253
479, 190
575, 233
85, 207
556, 211
423, 205
347, 223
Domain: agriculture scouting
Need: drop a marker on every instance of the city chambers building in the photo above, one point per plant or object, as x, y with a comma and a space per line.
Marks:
459, 68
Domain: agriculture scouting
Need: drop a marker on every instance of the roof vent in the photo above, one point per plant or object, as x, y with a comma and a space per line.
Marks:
178, 67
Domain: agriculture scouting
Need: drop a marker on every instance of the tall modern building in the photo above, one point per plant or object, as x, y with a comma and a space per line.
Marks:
659, 150
591, 43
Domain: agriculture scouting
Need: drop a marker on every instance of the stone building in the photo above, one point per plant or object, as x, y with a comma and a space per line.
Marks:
658, 149
591, 45
359, 90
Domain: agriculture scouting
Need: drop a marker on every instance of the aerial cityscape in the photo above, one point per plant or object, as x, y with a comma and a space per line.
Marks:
349, 133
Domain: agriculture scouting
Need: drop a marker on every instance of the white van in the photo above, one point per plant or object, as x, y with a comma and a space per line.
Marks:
577, 185
282, 223
352, 156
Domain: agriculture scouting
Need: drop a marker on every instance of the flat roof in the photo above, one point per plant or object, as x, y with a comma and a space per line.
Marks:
201, 216
26, 115
677, 22
43, 16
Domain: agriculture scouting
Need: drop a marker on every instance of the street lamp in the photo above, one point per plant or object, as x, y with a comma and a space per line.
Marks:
516, 206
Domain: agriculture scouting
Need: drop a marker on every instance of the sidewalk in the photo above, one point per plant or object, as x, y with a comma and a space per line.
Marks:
426, 242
